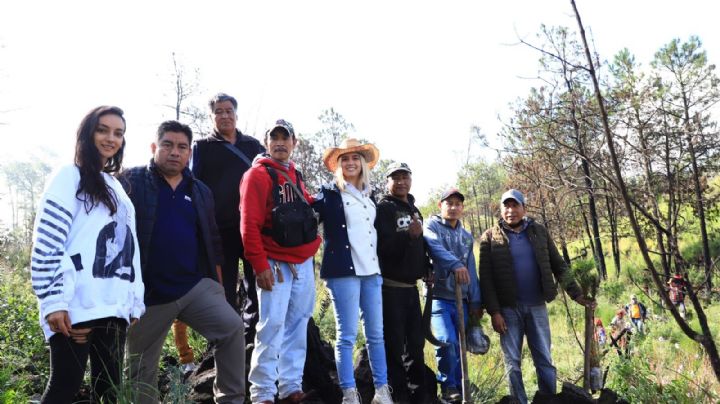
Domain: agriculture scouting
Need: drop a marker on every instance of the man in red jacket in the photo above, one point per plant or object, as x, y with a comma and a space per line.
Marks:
279, 231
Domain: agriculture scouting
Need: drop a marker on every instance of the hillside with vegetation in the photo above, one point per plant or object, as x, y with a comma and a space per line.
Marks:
617, 157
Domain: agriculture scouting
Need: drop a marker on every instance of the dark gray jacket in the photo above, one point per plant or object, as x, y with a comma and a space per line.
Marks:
497, 276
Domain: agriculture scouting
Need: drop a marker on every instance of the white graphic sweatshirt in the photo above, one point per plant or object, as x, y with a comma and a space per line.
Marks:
87, 263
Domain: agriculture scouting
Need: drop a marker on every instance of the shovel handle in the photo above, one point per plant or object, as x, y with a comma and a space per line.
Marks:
463, 346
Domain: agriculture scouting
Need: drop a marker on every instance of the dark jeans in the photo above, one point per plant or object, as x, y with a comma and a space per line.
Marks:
105, 347
233, 251
404, 335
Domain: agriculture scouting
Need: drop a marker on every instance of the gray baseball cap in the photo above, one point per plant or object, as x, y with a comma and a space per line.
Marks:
513, 194
281, 123
395, 167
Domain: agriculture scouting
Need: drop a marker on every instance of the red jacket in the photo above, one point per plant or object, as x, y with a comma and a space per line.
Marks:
256, 204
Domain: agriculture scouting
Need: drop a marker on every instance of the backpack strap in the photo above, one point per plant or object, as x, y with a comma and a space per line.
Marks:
234, 150
294, 187
276, 190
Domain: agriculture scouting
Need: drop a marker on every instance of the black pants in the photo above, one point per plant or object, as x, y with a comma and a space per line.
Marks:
404, 335
105, 347
233, 251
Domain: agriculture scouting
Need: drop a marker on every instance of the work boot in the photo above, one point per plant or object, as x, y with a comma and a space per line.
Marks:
293, 398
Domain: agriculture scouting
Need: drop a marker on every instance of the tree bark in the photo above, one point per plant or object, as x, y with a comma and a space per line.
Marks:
587, 178
700, 206
614, 237
652, 192
589, 336
705, 339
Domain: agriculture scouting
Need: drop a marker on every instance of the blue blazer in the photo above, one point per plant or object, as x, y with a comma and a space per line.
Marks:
337, 260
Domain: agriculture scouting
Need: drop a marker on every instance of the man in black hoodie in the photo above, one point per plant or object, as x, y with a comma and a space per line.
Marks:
401, 251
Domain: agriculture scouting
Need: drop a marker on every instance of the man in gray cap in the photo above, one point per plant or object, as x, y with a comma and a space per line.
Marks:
519, 267
401, 252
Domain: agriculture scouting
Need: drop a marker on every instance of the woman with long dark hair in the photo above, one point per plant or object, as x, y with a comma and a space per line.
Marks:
85, 263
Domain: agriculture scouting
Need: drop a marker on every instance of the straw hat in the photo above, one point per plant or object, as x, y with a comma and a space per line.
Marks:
351, 145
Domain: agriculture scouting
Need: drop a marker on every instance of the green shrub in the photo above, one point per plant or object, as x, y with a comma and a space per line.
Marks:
22, 343
613, 290
633, 378
12, 388
15, 248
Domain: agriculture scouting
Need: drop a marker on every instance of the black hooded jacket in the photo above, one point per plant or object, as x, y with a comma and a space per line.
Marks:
402, 258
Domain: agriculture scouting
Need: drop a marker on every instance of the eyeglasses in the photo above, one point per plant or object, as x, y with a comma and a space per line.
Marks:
221, 112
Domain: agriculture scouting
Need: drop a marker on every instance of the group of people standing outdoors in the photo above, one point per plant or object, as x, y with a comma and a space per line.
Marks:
165, 240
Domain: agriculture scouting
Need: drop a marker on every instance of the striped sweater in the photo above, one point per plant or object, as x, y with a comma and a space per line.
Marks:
86, 263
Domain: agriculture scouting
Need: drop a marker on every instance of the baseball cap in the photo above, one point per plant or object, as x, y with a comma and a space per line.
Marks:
281, 123
513, 194
450, 192
395, 167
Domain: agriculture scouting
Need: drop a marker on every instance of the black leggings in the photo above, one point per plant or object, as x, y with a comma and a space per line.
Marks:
105, 347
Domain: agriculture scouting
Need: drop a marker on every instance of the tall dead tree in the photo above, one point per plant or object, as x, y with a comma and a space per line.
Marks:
576, 133
630, 91
704, 337
185, 88
693, 89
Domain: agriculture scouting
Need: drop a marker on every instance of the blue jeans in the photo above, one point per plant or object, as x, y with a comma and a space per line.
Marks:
350, 295
444, 322
532, 322
281, 337
639, 325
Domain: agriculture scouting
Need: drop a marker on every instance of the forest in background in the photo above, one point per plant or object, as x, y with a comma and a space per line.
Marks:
618, 157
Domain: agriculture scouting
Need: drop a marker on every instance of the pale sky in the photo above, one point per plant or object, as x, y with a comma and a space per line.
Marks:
412, 76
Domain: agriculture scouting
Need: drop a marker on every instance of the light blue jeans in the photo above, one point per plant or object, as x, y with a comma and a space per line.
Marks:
444, 322
281, 338
639, 324
532, 322
350, 295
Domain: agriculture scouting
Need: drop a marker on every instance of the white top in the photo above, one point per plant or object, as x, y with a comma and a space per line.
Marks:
87, 263
360, 219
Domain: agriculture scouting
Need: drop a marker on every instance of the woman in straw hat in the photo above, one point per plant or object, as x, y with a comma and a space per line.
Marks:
350, 264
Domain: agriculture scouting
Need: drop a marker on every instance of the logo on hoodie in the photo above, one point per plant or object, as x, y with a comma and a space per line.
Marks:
403, 223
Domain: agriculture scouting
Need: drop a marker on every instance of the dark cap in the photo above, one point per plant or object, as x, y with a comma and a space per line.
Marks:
452, 192
395, 167
513, 194
281, 123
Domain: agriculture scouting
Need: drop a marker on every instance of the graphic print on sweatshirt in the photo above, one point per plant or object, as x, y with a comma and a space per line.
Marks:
114, 249
52, 232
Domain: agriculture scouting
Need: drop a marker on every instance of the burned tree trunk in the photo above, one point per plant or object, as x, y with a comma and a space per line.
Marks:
705, 338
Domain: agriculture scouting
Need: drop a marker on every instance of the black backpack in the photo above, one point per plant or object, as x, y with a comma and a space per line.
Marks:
293, 223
